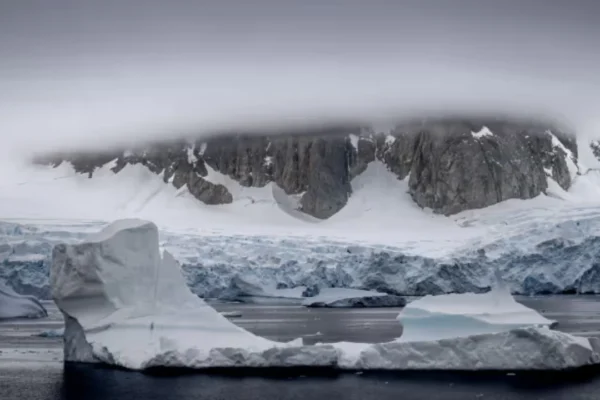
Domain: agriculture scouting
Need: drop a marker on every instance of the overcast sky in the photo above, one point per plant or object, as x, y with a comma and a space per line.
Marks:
91, 73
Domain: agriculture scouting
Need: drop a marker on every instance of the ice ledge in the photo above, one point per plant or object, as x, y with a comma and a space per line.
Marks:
521, 349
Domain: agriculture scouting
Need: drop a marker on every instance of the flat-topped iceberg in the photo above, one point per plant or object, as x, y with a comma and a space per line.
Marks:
126, 305
14, 305
455, 315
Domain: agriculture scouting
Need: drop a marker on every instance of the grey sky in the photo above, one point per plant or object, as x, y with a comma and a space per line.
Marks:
92, 72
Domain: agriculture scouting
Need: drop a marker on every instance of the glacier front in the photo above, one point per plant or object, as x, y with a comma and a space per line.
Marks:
126, 305
537, 252
14, 305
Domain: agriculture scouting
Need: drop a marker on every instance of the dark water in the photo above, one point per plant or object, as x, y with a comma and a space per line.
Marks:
575, 314
80, 382
50, 380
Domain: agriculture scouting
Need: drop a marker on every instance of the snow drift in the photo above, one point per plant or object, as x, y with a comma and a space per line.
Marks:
126, 305
13, 305
455, 315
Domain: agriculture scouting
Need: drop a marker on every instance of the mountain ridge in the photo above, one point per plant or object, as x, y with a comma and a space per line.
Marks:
452, 163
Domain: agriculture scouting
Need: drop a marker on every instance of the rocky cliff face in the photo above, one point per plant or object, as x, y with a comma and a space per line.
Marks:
459, 165
453, 164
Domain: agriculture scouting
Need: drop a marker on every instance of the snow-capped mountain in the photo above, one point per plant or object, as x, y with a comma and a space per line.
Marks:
451, 164
427, 207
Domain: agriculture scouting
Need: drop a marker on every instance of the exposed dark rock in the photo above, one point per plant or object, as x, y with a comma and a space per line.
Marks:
453, 164
397, 149
595, 145
207, 192
243, 158
359, 158
328, 179
458, 166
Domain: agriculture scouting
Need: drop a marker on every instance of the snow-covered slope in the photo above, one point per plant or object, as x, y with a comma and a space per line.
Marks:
379, 207
379, 241
40, 192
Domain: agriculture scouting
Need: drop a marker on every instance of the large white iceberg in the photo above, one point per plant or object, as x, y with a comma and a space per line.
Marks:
126, 305
455, 315
14, 305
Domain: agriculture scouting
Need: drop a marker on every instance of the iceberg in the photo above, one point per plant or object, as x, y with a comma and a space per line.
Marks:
231, 314
533, 348
455, 315
14, 305
353, 298
127, 305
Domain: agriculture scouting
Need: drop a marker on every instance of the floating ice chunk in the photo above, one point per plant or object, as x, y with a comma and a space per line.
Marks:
14, 305
231, 314
340, 298
456, 315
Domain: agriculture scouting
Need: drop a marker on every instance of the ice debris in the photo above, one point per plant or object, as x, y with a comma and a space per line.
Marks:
231, 314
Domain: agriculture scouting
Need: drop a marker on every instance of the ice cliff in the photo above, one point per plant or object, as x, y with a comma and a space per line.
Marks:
123, 303
538, 252
13, 305
126, 305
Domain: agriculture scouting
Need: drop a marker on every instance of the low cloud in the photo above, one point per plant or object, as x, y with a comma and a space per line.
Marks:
117, 88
